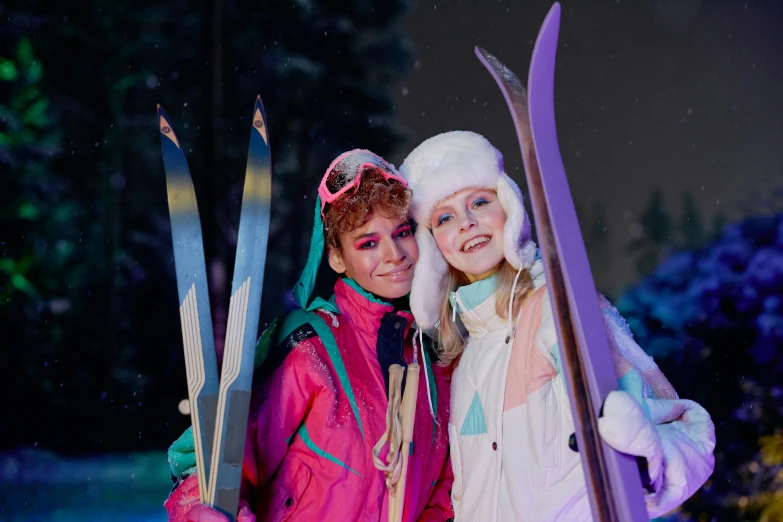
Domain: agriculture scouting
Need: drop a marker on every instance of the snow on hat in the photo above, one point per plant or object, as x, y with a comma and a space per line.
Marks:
347, 166
444, 165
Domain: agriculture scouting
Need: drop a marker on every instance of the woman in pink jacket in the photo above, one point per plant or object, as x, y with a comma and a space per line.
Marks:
510, 418
320, 395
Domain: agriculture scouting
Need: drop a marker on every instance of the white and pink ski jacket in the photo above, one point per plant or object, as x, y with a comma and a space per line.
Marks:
511, 419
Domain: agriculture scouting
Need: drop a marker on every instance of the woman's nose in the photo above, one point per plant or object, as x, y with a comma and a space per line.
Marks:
468, 222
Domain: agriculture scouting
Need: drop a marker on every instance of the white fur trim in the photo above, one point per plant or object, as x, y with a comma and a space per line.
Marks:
517, 247
429, 281
445, 164
439, 167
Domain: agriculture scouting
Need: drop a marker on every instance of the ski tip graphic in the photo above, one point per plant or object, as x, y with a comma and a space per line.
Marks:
165, 127
259, 119
258, 123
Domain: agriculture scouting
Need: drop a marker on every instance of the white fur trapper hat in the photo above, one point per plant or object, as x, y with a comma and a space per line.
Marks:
439, 167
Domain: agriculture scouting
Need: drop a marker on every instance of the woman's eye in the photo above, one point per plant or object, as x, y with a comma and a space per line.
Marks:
480, 203
367, 245
404, 233
443, 219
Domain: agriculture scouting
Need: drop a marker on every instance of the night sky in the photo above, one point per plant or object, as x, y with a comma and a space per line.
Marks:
671, 95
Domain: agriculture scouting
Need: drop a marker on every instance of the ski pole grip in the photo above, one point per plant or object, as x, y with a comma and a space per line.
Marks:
409, 401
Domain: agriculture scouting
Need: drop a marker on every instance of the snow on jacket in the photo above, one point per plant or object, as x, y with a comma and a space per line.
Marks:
511, 418
318, 409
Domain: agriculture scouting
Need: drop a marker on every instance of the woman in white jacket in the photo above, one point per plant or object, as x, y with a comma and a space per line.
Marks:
510, 418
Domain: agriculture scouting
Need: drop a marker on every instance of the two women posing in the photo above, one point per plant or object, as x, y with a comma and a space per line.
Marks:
475, 285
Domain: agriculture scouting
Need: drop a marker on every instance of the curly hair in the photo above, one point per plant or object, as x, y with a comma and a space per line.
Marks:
353, 209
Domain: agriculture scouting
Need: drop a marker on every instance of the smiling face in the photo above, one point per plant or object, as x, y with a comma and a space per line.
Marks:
468, 228
379, 255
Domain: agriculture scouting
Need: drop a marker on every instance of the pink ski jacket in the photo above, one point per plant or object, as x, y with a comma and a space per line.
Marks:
319, 406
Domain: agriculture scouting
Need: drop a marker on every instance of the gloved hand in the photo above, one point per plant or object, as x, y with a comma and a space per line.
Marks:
677, 440
183, 506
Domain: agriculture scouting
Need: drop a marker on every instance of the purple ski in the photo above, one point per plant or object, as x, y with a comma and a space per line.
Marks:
612, 478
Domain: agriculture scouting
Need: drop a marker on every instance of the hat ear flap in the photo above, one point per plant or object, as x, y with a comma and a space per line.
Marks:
518, 249
429, 281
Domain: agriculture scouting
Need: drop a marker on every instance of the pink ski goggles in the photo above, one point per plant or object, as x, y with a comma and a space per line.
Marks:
345, 173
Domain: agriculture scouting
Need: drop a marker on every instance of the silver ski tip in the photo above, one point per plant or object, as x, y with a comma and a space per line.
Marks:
500, 69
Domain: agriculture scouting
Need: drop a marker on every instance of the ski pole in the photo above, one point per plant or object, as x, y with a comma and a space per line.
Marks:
408, 412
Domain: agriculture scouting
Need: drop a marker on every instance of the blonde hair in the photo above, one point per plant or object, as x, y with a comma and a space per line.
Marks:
450, 339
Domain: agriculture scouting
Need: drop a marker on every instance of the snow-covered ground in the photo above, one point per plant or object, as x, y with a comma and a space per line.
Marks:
37, 485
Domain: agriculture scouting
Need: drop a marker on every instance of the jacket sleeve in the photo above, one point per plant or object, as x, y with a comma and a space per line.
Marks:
628, 356
647, 381
282, 394
186, 496
686, 431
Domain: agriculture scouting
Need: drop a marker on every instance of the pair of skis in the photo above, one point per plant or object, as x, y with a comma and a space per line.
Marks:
613, 482
219, 408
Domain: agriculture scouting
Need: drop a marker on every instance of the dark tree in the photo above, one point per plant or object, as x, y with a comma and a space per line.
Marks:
89, 314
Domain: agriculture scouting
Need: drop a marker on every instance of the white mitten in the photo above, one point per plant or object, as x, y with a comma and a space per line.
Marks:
677, 440
626, 428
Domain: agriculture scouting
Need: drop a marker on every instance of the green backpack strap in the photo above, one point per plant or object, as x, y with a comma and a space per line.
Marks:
428, 356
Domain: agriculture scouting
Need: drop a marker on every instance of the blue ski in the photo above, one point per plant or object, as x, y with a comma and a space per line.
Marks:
243, 314
194, 312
